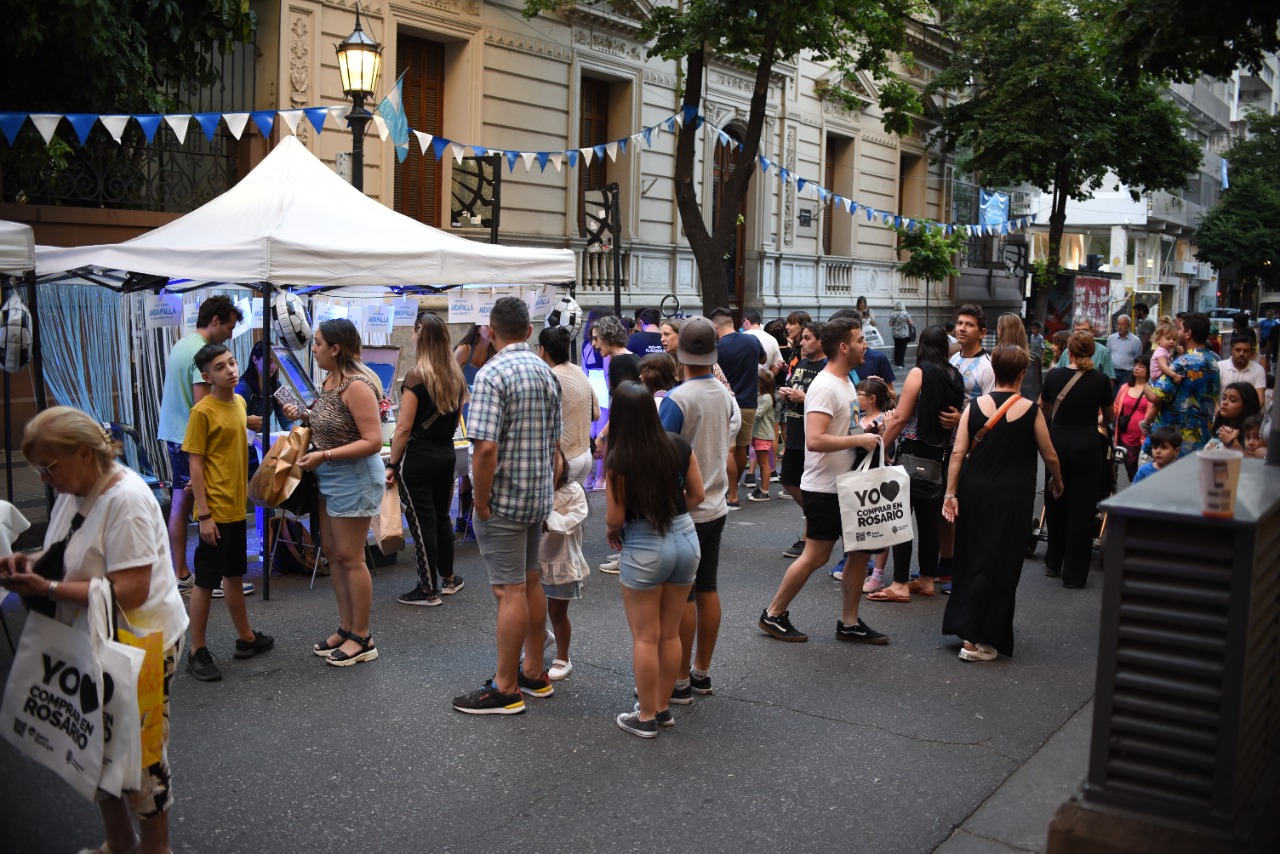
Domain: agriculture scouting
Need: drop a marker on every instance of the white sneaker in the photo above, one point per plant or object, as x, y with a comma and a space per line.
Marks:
560, 669
980, 652
218, 594
611, 565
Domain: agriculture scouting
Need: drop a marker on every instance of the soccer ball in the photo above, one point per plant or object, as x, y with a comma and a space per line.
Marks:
567, 313
291, 325
15, 335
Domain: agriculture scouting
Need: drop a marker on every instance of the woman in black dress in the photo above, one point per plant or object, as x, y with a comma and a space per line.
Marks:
1082, 450
993, 478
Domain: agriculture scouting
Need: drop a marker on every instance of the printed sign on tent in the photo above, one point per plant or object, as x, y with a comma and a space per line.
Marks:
464, 307
246, 310
190, 314
329, 311
355, 314
540, 302
164, 311
406, 311
379, 319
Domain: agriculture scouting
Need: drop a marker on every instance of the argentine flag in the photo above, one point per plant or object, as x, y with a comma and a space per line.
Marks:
391, 108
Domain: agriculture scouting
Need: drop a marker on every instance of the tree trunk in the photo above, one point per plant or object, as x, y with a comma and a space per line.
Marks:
1057, 225
711, 248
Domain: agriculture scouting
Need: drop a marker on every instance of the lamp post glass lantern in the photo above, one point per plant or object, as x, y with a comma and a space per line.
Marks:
359, 63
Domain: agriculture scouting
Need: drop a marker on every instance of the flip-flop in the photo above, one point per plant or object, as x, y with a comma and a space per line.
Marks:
916, 588
884, 595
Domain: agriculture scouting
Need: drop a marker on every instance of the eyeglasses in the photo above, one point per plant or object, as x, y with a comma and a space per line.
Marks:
47, 471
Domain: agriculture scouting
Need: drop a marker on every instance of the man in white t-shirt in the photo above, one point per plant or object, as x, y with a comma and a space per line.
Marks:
1241, 368
972, 360
751, 324
832, 440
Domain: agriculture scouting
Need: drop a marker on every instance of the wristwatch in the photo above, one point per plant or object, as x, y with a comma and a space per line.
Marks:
52, 590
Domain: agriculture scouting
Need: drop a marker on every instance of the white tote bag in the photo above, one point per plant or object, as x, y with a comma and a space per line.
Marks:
121, 723
52, 709
875, 505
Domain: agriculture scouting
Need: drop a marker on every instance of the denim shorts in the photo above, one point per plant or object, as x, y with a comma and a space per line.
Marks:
650, 559
352, 488
509, 548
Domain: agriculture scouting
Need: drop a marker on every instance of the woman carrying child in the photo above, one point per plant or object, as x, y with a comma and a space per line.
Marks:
561, 565
652, 478
764, 435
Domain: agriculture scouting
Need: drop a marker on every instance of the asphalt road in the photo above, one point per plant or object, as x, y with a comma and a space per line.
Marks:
803, 747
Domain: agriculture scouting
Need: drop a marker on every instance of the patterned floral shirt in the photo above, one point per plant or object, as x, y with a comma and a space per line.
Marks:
1189, 406
516, 403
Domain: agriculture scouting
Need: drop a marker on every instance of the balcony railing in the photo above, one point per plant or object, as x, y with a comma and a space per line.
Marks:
595, 271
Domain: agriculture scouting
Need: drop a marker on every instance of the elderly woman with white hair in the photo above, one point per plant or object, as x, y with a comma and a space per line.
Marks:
900, 321
111, 527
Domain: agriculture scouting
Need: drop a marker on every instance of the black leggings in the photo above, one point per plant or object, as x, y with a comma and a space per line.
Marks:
928, 511
426, 488
1072, 517
900, 352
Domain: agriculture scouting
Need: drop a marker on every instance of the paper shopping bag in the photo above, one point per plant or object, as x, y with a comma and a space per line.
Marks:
875, 505
150, 691
388, 525
52, 709
279, 474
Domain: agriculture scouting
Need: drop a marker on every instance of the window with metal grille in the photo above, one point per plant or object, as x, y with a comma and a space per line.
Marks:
594, 130
417, 187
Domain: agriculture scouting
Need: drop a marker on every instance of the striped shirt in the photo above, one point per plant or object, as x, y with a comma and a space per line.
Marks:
516, 403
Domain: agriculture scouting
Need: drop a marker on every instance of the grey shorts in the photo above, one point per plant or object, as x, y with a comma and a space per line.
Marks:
509, 549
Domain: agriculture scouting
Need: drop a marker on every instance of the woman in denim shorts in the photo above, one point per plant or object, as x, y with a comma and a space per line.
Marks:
346, 433
652, 478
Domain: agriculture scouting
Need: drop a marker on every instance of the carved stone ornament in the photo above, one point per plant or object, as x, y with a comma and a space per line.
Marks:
467, 7
300, 69
607, 44
526, 44
789, 191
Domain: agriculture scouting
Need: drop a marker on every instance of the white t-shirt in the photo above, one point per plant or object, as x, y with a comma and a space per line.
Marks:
838, 398
979, 378
1253, 375
772, 353
123, 529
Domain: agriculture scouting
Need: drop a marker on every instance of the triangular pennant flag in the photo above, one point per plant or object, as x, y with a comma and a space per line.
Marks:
265, 120
897, 221
402, 152
479, 151
572, 157
697, 122
612, 150
670, 125
149, 122
850, 206
871, 212
424, 139
587, 154
1004, 228
599, 150
764, 163
82, 123
340, 111
646, 135
440, 145
1033, 219
511, 156
381, 124
622, 145
823, 195
208, 123
801, 184
47, 123
236, 123
115, 125
317, 115
11, 123
291, 118
688, 113
784, 176
179, 124
458, 150
557, 160
724, 137
527, 157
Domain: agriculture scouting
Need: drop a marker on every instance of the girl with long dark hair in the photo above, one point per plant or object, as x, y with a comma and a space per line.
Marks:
422, 457
651, 480
1238, 402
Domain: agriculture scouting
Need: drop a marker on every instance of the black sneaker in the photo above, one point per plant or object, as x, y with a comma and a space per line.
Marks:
780, 627
859, 632
260, 643
450, 585
749, 480
200, 665
794, 550
630, 721
665, 719
417, 596
682, 696
757, 495
540, 687
488, 700
700, 684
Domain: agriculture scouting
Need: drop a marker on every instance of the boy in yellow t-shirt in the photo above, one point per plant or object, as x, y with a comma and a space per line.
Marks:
217, 445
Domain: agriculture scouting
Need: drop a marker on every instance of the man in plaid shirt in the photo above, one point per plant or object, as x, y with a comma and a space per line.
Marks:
514, 425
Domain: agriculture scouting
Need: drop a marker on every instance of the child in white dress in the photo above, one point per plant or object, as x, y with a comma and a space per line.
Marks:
561, 566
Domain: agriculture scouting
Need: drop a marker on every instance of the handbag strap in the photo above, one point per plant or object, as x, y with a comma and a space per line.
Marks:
91, 498
993, 420
1058, 401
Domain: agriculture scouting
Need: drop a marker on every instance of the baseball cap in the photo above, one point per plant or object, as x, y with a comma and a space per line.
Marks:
697, 342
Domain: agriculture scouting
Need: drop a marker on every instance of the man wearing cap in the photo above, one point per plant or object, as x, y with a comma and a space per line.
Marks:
703, 412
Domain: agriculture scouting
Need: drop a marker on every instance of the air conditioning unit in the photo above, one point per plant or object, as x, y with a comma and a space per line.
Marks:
1189, 268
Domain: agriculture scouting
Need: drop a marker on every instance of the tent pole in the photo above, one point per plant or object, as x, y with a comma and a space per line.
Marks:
37, 366
8, 441
268, 405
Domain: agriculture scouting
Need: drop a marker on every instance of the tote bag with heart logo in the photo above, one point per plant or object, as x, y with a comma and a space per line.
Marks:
875, 505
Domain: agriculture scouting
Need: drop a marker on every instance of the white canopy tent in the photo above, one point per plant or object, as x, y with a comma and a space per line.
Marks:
293, 222
17, 249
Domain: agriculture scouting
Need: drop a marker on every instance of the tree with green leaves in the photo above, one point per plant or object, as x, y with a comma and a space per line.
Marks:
1040, 106
1243, 230
849, 35
933, 254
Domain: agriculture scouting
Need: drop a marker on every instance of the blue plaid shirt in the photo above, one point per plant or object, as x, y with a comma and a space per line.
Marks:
515, 402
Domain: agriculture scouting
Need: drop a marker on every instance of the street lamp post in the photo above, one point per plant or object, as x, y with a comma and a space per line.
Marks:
359, 61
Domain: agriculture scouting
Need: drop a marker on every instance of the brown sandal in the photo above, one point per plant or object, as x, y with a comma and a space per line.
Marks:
917, 588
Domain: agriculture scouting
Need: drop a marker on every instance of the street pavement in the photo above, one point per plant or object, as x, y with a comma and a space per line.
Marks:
803, 747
